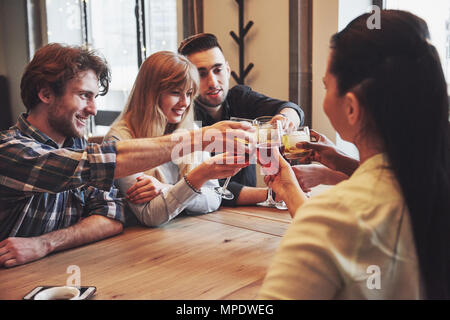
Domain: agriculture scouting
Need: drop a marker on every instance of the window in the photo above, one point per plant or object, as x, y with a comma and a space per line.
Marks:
437, 15
125, 38
161, 25
349, 10
112, 31
64, 21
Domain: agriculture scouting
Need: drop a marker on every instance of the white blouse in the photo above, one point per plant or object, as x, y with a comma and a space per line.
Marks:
353, 241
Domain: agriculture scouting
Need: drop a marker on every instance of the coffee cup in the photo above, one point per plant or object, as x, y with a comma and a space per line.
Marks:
58, 293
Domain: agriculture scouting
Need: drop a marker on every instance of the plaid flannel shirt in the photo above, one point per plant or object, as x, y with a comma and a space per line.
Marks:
44, 188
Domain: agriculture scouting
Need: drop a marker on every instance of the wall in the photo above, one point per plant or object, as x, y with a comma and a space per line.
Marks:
325, 24
268, 46
179, 21
13, 52
267, 42
348, 10
2, 47
329, 16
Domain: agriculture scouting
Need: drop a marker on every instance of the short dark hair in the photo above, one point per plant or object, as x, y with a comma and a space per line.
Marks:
197, 43
54, 65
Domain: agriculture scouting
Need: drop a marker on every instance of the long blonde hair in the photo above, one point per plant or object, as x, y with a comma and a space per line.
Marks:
162, 71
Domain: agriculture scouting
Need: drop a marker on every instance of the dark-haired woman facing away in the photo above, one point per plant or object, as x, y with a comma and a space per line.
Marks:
385, 232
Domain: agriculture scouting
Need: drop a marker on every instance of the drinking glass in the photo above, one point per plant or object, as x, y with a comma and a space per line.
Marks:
222, 190
293, 154
268, 139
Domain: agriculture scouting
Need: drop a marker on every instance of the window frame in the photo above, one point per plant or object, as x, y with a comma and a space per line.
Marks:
300, 56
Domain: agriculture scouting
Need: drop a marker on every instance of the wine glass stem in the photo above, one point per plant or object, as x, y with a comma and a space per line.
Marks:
269, 195
225, 185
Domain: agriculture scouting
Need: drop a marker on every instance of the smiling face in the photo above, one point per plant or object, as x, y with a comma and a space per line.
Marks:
214, 76
68, 114
174, 103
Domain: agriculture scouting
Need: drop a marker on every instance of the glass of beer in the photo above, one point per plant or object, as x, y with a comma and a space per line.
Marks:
293, 154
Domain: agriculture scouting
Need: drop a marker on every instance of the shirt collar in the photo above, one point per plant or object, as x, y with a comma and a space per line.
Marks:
29, 130
200, 110
380, 160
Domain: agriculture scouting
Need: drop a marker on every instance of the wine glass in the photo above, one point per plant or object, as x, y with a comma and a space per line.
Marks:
223, 191
268, 139
293, 154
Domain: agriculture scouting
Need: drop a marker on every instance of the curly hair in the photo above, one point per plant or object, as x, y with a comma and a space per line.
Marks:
54, 65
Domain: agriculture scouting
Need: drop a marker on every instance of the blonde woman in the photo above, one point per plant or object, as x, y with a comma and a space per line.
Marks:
161, 102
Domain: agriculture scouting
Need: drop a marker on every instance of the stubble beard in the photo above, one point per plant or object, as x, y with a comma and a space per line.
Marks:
63, 123
206, 103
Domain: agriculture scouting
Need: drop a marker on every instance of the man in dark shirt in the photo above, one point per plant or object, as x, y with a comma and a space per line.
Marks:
217, 102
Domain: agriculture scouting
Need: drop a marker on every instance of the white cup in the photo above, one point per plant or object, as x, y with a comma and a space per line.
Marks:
58, 293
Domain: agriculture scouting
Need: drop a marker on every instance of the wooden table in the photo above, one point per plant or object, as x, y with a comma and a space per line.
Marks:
221, 255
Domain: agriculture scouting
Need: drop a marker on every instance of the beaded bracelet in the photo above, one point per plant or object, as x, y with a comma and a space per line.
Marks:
191, 186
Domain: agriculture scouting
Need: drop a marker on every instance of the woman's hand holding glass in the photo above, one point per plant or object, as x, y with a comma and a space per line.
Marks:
312, 175
285, 184
218, 167
325, 151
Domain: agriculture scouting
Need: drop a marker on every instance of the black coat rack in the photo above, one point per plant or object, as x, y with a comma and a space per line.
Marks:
240, 41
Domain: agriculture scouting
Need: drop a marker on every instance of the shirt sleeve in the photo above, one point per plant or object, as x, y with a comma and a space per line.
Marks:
235, 188
208, 201
250, 104
34, 168
307, 264
104, 203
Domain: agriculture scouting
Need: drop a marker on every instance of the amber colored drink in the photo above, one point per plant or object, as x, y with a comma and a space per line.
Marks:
291, 152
